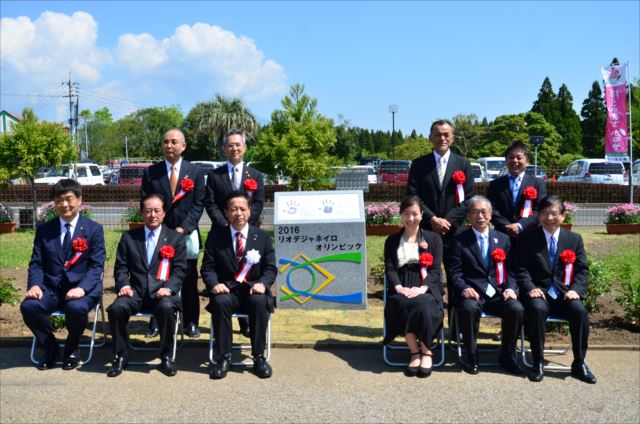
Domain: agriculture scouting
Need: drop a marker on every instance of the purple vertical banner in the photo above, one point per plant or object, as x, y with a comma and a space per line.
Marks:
616, 146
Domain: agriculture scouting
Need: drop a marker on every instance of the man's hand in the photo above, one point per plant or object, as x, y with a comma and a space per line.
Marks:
470, 293
219, 289
163, 292
571, 295
536, 293
126, 291
180, 230
440, 225
513, 230
258, 288
35, 292
74, 293
509, 294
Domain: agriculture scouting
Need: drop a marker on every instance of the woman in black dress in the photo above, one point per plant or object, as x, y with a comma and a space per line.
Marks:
413, 308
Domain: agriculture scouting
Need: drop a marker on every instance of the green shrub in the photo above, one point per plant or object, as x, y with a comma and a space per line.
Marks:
8, 293
58, 322
599, 283
630, 298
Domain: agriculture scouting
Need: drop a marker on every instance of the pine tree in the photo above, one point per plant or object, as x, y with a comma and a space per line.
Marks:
547, 103
569, 124
594, 121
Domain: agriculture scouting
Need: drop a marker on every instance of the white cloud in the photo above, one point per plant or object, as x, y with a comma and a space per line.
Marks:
140, 52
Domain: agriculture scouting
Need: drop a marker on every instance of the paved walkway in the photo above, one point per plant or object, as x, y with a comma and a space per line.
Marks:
343, 385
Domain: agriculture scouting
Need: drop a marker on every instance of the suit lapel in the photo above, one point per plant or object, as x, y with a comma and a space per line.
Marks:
434, 172
506, 189
449, 171
475, 249
224, 176
542, 247
164, 183
140, 240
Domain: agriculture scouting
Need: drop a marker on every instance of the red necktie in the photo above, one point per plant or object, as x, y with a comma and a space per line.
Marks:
239, 247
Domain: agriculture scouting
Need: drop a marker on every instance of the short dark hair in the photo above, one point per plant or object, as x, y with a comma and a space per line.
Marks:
440, 122
518, 145
552, 201
234, 131
409, 201
153, 195
234, 194
64, 186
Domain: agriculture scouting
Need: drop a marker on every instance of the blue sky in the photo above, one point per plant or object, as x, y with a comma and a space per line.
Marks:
432, 59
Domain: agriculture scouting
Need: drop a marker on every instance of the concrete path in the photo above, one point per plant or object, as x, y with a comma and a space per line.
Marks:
344, 385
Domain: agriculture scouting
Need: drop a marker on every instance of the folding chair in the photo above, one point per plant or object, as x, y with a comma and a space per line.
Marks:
91, 345
149, 314
391, 347
554, 367
239, 347
459, 346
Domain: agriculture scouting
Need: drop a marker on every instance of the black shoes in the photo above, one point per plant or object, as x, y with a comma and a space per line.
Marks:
471, 365
261, 367
410, 371
70, 362
424, 372
167, 366
580, 371
220, 369
49, 359
537, 371
119, 363
152, 331
192, 331
509, 363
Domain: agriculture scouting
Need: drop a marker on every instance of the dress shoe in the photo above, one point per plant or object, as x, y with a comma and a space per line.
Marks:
220, 369
70, 362
410, 371
49, 359
193, 331
261, 367
537, 371
167, 366
245, 332
118, 364
424, 372
580, 370
152, 331
498, 337
509, 363
471, 365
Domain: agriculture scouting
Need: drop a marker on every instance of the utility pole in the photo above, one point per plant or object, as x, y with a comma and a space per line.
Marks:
73, 111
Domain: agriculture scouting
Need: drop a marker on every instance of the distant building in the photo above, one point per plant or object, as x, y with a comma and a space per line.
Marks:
8, 120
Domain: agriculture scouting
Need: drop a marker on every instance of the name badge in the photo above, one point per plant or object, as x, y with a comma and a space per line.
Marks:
490, 290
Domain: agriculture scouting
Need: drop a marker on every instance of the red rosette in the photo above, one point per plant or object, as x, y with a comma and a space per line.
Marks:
250, 184
498, 255
530, 193
459, 177
187, 185
167, 252
568, 256
79, 244
426, 259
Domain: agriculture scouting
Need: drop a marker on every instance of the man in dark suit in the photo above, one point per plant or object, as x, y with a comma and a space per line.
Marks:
181, 183
431, 179
65, 273
508, 194
235, 175
483, 280
553, 275
239, 268
150, 266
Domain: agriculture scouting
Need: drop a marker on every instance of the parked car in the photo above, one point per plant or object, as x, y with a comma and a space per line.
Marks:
493, 165
84, 173
530, 170
394, 171
597, 171
372, 177
479, 173
635, 170
132, 174
207, 165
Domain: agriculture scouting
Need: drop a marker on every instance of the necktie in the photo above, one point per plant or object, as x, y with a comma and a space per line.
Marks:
151, 247
515, 187
552, 251
173, 180
66, 242
484, 249
235, 180
441, 169
239, 247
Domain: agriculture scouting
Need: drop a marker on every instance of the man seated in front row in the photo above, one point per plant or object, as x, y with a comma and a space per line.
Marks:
65, 273
151, 263
483, 280
238, 269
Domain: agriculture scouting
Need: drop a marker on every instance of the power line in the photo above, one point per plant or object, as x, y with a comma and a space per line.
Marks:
113, 98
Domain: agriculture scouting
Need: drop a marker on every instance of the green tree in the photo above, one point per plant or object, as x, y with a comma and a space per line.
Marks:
346, 147
99, 129
635, 117
145, 128
470, 135
207, 122
33, 145
547, 103
594, 121
297, 142
568, 125
412, 148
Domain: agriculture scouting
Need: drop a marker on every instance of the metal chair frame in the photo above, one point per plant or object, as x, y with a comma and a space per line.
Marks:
556, 367
239, 347
147, 314
459, 346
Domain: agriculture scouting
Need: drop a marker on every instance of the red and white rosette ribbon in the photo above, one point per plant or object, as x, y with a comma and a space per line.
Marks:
498, 255
530, 194
568, 257
459, 178
426, 260
186, 186
78, 245
166, 253
250, 185
252, 257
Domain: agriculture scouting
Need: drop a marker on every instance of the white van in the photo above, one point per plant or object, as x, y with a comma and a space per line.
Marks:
493, 165
84, 173
596, 171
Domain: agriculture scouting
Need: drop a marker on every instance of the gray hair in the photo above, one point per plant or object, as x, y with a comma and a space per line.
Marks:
234, 131
479, 199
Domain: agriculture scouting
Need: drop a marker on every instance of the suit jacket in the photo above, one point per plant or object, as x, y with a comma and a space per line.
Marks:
131, 267
504, 211
219, 186
468, 269
187, 211
534, 267
46, 268
440, 200
433, 281
220, 266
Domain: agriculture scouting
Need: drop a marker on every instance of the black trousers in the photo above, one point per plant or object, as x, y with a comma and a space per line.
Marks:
223, 306
190, 297
537, 311
164, 310
468, 314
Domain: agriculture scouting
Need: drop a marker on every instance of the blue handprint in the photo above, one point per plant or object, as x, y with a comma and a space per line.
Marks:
292, 207
327, 206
